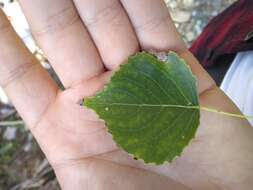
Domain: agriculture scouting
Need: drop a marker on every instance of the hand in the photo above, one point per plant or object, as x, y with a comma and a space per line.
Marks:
84, 41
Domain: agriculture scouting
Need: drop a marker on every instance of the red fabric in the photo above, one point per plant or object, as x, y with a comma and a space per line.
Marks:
226, 34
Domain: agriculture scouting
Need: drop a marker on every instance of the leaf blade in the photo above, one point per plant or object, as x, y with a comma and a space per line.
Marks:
144, 99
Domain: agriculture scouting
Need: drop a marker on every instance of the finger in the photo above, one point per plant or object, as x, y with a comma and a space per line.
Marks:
61, 34
110, 29
153, 25
29, 86
156, 31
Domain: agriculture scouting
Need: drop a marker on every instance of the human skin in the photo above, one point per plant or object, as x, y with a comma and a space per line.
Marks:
85, 41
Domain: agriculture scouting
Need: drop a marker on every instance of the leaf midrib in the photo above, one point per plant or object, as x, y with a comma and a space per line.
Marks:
146, 105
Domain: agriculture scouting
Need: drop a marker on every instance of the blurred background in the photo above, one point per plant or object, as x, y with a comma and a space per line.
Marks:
22, 164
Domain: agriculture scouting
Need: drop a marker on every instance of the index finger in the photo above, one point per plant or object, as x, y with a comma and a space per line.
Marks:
156, 31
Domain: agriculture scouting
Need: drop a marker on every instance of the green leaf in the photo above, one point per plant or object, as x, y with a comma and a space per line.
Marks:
150, 107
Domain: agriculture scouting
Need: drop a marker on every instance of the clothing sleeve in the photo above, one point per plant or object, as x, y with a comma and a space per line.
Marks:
226, 34
238, 82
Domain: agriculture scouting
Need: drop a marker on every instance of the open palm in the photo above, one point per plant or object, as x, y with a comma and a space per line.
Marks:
85, 41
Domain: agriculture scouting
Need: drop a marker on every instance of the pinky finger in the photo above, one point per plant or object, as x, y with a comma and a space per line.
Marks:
25, 81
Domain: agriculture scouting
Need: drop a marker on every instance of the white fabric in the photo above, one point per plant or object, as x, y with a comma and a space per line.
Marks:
238, 82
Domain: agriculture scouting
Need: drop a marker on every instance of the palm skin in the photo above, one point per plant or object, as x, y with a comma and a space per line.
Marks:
77, 144
72, 137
